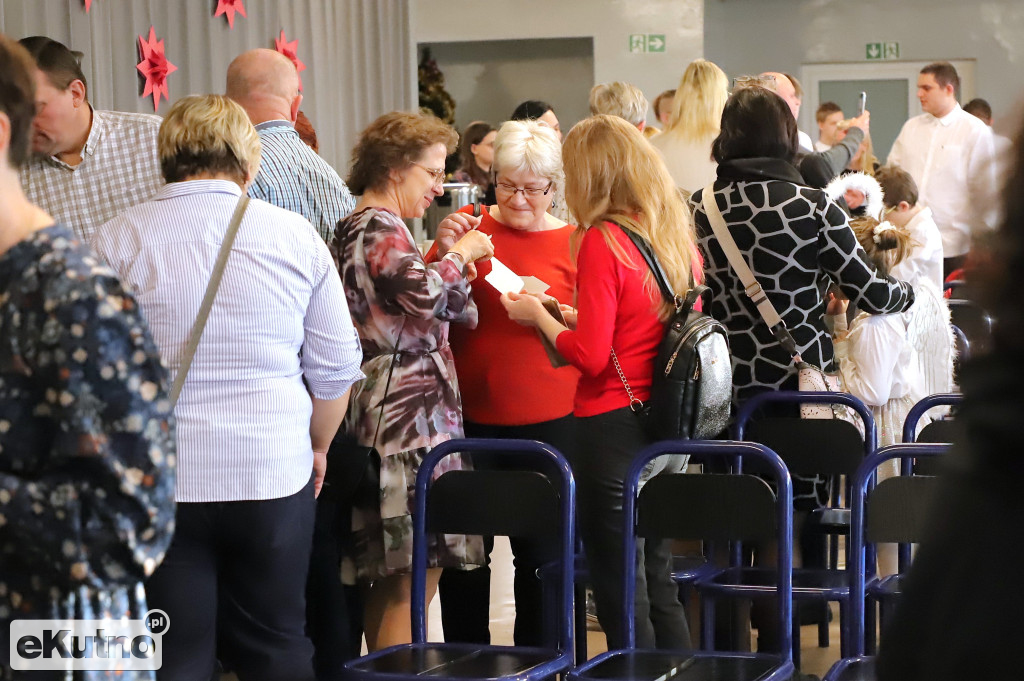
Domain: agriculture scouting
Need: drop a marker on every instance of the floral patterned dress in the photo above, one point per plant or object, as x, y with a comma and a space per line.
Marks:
398, 301
86, 441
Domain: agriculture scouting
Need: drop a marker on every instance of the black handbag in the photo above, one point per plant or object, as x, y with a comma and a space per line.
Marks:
691, 389
347, 459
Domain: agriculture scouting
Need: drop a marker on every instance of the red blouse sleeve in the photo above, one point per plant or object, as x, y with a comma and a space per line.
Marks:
598, 281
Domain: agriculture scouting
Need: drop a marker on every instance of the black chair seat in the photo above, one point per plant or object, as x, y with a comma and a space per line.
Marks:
653, 665
690, 568
830, 584
452, 660
886, 588
853, 669
832, 520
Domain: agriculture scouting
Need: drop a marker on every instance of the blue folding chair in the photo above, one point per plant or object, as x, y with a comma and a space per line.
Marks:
940, 430
715, 507
809, 447
493, 502
895, 510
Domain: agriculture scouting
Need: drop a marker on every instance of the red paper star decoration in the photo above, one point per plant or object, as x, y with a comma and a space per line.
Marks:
229, 7
154, 67
88, 6
290, 50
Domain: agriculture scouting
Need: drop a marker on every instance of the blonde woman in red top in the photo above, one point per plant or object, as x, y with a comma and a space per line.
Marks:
615, 181
509, 387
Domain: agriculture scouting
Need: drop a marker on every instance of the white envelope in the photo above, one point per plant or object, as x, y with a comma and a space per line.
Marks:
503, 279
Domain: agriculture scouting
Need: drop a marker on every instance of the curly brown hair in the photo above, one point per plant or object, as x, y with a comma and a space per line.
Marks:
394, 141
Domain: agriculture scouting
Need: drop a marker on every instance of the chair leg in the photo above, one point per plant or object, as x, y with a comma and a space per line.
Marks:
823, 635
845, 630
870, 637
580, 616
707, 621
796, 635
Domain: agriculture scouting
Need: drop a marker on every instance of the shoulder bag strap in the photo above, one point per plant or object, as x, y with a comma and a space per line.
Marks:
739, 266
211, 293
651, 259
387, 386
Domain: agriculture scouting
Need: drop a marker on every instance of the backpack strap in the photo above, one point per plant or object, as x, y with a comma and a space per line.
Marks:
651, 259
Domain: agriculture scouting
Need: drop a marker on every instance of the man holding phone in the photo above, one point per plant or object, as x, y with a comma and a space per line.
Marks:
949, 153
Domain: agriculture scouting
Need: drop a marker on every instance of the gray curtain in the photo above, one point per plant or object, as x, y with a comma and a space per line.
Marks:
360, 61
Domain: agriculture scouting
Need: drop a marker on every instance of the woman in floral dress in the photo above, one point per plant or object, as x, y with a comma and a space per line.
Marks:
401, 308
86, 433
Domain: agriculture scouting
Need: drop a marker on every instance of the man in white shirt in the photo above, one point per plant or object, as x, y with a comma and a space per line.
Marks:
949, 154
88, 165
828, 116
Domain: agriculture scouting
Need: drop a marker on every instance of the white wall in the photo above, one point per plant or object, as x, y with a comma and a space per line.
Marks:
608, 22
749, 36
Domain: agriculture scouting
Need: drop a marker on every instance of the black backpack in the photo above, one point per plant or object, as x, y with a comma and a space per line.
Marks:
691, 391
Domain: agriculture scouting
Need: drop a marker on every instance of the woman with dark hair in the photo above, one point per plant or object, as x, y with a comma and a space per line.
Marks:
540, 111
87, 439
476, 153
796, 241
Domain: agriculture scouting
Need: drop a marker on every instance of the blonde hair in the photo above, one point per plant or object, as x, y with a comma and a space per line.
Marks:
887, 248
208, 134
613, 174
619, 99
868, 158
531, 147
699, 100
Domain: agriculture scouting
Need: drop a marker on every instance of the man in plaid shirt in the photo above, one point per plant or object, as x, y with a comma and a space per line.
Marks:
88, 165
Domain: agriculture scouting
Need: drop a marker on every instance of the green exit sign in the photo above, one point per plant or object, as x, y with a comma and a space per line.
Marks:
646, 42
882, 51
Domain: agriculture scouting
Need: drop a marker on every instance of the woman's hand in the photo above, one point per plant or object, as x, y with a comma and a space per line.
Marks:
569, 315
473, 246
453, 228
836, 305
523, 308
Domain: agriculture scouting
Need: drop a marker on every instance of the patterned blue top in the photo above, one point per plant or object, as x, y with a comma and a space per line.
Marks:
87, 456
292, 176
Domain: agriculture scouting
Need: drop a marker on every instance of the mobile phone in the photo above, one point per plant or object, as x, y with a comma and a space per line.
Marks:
862, 103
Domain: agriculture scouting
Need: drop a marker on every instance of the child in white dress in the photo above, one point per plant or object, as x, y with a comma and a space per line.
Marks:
875, 355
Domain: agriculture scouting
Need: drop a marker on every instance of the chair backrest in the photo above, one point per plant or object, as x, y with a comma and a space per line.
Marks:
709, 506
895, 510
945, 430
808, 446
974, 321
963, 347
517, 503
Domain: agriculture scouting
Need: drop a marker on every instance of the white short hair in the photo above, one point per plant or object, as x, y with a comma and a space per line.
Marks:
619, 99
528, 146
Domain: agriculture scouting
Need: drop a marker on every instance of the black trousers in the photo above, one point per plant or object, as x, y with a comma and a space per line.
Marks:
233, 585
334, 611
608, 444
466, 594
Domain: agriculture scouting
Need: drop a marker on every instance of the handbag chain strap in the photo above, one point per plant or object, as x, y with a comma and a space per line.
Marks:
208, 298
634, 404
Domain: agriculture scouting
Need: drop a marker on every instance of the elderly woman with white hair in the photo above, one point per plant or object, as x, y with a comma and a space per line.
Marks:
526, 398
264, 395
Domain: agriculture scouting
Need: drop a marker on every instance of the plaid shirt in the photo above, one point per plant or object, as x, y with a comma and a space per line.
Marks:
119, 169
292, 176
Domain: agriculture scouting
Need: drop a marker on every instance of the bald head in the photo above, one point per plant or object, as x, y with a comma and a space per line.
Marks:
266, 84
787, 90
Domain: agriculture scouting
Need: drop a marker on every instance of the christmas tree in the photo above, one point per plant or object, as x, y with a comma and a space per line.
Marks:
433, 97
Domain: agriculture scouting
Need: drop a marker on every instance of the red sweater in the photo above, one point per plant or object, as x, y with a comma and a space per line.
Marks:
504, 374
614, 310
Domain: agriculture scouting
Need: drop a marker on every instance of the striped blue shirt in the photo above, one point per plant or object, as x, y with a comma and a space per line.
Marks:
243, 414
295, 178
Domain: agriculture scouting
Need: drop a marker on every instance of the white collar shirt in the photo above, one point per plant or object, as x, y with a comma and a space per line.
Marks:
119, 169
951, 160
279, 323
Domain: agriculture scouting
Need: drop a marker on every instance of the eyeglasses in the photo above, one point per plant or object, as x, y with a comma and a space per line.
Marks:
765, 81
436, 173
510, 190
